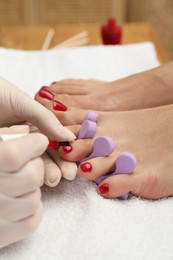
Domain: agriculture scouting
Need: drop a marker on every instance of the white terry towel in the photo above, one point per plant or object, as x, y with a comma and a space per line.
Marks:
79, 224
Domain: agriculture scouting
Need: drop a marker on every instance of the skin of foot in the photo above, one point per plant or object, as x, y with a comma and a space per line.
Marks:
148, 135
143, 90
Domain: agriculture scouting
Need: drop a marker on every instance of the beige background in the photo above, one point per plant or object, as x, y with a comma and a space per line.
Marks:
60, 11
159, 13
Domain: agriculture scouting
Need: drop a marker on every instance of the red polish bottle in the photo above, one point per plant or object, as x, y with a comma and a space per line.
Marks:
111, 33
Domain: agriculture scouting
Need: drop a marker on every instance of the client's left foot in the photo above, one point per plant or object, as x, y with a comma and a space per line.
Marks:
148, 135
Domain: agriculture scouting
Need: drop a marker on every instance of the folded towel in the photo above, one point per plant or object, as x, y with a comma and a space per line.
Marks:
31, 69
79, 224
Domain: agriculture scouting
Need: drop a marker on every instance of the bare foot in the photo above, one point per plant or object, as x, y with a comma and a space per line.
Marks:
148, 135
143, 90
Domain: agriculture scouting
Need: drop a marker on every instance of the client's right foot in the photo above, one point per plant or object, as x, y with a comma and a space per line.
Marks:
143, 90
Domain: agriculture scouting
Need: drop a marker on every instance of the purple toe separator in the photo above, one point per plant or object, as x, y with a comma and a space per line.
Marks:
88, 130
92, 116
104, 146
125, 164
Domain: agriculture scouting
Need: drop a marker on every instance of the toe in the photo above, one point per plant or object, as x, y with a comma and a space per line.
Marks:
96, 167
77, 150
46, 94
116, 186
66, 115
70, 87
43, 96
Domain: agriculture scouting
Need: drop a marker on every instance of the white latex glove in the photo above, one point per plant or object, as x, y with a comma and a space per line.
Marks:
18, 107
21, 175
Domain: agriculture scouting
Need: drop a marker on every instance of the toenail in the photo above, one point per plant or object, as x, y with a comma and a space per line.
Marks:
67, 149
44, 87
45, 93
59, 106
86, 167
54, 82
104, 188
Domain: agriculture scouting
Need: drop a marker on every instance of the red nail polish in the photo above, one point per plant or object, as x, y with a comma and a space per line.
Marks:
53, 143
111, 33
86, 167
56, 144
45, 93
54, 82
44, 87
67, 149
59, 106
104, 188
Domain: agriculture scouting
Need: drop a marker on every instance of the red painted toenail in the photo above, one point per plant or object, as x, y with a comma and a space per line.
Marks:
104, 188
67, 149
45, 93
54, 82
86, 167
59, 106
44, 87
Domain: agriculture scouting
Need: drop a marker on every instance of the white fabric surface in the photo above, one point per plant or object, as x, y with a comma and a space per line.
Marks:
78, 224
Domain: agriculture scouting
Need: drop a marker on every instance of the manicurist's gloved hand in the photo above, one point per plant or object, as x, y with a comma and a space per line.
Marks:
21, 175
17, 107
23, 164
